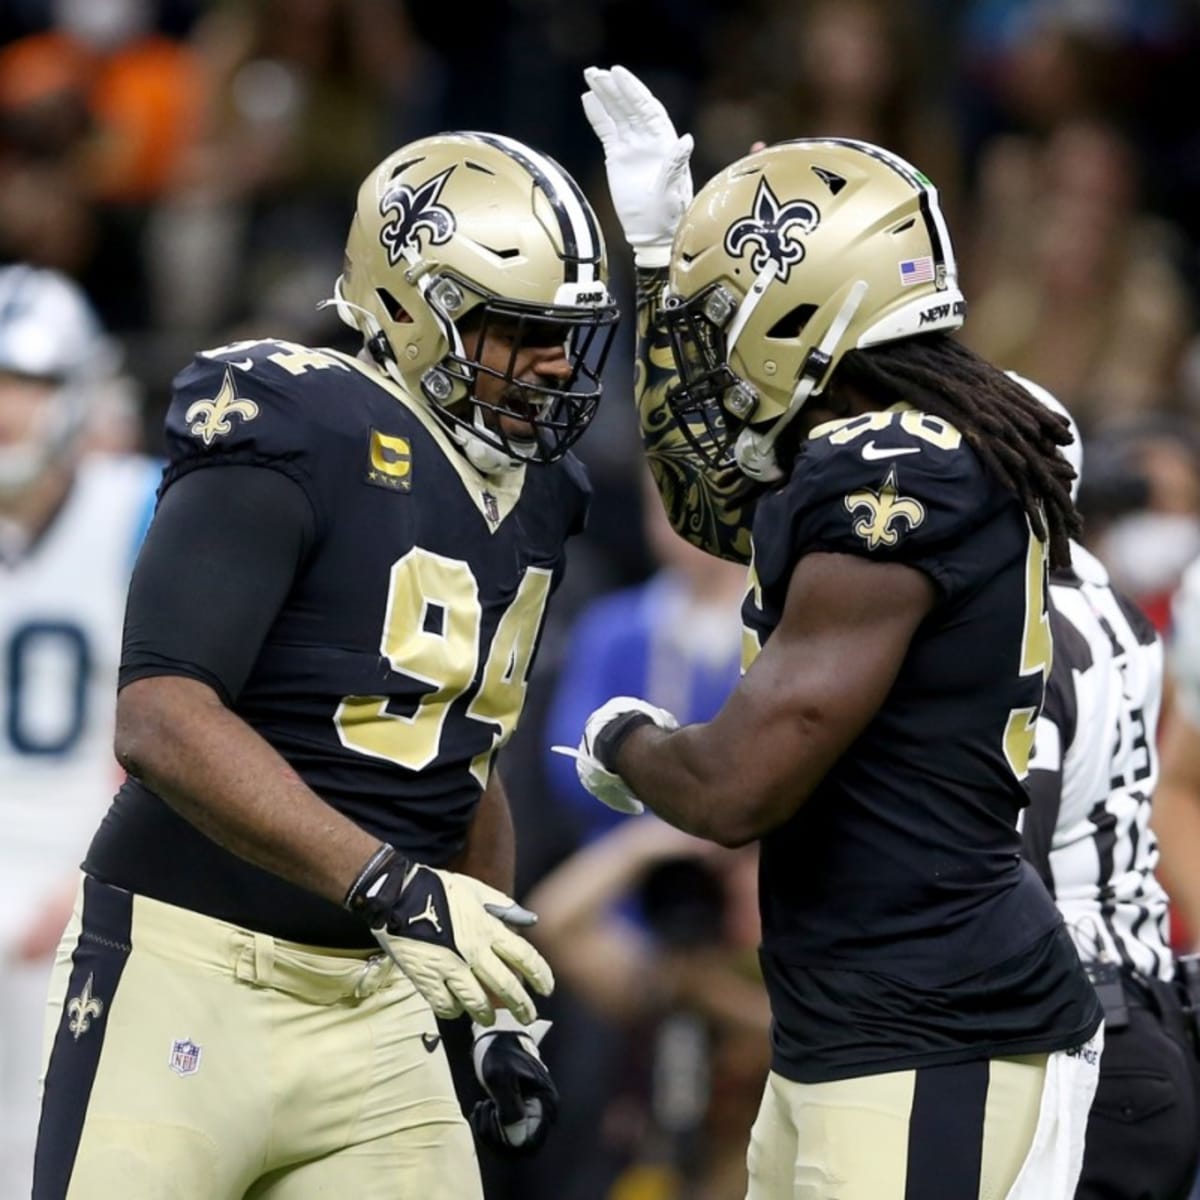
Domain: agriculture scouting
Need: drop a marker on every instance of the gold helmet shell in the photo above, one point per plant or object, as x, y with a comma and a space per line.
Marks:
786, 260
475, 224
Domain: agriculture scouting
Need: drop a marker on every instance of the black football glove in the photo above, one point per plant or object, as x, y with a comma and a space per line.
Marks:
522, 1100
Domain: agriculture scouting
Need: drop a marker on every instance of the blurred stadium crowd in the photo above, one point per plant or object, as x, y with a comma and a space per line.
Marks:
193, 166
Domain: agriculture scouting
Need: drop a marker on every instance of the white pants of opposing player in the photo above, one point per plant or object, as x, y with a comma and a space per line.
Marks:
22, 1017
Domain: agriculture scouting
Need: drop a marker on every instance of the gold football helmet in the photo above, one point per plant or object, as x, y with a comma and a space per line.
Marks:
783, 262
474, 231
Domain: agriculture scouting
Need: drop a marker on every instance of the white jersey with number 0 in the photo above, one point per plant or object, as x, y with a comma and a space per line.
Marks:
61, 610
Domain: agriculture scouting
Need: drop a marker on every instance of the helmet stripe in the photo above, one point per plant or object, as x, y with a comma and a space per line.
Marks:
577, 223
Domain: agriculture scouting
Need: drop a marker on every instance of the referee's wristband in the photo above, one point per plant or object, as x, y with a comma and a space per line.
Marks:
612, 737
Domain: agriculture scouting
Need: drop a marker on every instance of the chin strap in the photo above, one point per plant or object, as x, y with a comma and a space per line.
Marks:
754, 450
483, 455
480, 453
374, 339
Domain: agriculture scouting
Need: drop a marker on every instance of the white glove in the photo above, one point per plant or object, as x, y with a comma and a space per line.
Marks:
450, 934
646, 160
607, 786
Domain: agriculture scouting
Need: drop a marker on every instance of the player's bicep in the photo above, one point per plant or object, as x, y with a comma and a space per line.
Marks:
218, 560
824, 673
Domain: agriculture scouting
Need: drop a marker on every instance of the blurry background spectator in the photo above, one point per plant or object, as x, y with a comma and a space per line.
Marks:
683, 984
96, 113
1084, 291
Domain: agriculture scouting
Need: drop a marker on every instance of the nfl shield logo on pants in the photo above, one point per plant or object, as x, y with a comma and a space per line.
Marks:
185, 1057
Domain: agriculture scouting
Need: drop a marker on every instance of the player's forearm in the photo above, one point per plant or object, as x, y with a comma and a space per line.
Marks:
738, 776
711, 508
176, 736
679, 777
490, 850
792, 715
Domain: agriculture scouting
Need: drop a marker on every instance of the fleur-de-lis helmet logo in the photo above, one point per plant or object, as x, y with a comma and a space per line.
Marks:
771, 231
415, 211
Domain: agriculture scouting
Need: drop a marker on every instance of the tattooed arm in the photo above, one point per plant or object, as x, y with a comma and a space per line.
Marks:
711, 507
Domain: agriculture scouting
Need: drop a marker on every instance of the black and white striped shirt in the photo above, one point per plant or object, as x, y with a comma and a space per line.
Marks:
1094, 771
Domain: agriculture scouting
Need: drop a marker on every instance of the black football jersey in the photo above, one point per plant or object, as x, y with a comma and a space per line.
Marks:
397, 665
900, 925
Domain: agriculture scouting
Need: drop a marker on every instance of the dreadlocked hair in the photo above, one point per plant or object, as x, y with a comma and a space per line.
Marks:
1015, 435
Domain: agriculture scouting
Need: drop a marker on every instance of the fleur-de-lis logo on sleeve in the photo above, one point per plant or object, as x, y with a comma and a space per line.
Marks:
83, 1009
772, 231
211, 419
415, 212
886, 512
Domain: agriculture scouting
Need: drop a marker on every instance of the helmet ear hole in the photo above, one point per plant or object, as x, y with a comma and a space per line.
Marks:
394, 308
792, 323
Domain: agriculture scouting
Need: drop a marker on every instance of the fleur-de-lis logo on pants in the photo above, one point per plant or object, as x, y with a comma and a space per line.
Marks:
416, 211
886, 511
771, 230
210, 419
82, 1009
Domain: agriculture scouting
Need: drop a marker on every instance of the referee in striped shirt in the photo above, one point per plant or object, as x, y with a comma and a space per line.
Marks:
1087, 832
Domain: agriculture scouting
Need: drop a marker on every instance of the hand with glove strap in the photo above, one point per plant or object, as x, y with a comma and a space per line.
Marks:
522, 1100
450, 934
606, 729
645, 159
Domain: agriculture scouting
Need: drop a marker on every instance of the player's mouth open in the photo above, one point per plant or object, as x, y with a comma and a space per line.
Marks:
522, 405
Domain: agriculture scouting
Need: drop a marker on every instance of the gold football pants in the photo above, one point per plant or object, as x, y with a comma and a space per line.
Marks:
188, 1059
958, 1132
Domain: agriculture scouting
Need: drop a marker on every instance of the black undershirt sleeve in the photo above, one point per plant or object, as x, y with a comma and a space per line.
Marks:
219, 558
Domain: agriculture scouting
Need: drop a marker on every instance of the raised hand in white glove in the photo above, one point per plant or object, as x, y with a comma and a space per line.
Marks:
646, 161
603, 734
450, 934
522, 1100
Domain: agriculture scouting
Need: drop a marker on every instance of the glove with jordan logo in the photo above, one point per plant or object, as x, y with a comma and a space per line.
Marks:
450, 934
522, 1100
645, 159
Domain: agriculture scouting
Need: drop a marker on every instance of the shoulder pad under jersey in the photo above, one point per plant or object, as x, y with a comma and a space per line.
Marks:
262, 401
895, 486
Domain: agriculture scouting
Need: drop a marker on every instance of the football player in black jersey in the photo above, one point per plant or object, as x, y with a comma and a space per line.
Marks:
806, 410
327, 641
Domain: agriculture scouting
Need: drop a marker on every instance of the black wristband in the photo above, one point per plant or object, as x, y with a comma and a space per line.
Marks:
612, 737
381, 880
